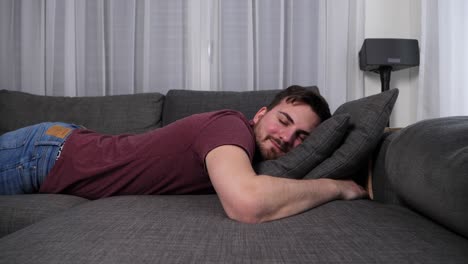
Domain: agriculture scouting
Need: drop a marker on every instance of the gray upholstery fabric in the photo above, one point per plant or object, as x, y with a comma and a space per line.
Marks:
428, 167
369, 116
107, 114
175, 229
195, 229
319, 145
183, 103
382, 189
18, 211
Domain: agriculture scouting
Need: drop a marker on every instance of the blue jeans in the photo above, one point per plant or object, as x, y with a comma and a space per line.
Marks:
28, 154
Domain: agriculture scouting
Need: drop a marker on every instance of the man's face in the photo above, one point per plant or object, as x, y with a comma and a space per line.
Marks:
282, 128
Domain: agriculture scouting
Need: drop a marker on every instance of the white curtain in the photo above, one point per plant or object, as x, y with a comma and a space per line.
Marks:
443, 74
340, 38
266, 44
104, 47
78, 48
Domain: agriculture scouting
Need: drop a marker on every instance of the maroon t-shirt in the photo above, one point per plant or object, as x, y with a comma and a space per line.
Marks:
169, 160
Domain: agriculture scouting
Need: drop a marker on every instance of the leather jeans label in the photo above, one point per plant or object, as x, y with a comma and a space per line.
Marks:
58, 131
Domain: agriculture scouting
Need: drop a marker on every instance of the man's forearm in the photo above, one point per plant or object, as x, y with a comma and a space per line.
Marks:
279, 197
251, 198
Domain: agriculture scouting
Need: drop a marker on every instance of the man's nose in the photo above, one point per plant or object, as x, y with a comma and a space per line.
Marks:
288, 137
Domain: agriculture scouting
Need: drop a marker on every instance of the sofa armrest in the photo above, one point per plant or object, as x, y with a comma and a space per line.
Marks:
426, 164
381, 190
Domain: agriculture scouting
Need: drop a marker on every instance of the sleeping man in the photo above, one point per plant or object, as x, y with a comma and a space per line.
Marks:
204, 153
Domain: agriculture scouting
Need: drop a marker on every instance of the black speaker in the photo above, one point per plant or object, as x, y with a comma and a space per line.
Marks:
386, 55
396, 53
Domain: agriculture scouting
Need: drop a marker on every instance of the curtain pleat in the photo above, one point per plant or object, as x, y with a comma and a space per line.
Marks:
443, 72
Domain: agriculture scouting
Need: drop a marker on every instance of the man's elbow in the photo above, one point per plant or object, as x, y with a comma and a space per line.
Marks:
245, 217
248, 211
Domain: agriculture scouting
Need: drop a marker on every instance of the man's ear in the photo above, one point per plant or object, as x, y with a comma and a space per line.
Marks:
260, 114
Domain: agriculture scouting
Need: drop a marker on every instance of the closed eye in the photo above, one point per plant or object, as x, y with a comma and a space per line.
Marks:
302, 137
286, 120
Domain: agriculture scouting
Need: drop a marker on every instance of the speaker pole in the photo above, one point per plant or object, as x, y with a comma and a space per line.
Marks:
385, 72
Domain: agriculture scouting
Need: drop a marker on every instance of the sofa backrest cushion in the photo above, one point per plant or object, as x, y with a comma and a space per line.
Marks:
182, 103
427, 166
115, 114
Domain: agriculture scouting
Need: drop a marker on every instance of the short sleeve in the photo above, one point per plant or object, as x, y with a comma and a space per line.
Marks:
225, 128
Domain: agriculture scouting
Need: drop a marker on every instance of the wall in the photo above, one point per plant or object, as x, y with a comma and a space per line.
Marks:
395, 19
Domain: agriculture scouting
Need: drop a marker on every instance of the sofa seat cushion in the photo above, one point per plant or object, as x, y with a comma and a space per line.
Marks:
194, 229
427, 165
18, 211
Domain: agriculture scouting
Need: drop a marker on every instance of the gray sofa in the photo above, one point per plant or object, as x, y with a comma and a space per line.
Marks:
418, 214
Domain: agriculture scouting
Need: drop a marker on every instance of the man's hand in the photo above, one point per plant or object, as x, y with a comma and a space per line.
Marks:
251, 198
350, 190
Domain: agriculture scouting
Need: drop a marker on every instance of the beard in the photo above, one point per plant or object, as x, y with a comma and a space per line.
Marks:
264, 145
266, 153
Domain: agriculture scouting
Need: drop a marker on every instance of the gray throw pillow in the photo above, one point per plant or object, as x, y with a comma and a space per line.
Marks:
319, 145
427, 166
369, 117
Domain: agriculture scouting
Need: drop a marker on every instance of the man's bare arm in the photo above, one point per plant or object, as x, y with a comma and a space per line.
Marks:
251, 198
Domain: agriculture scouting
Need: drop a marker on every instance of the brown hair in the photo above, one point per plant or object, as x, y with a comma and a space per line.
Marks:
294, 93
